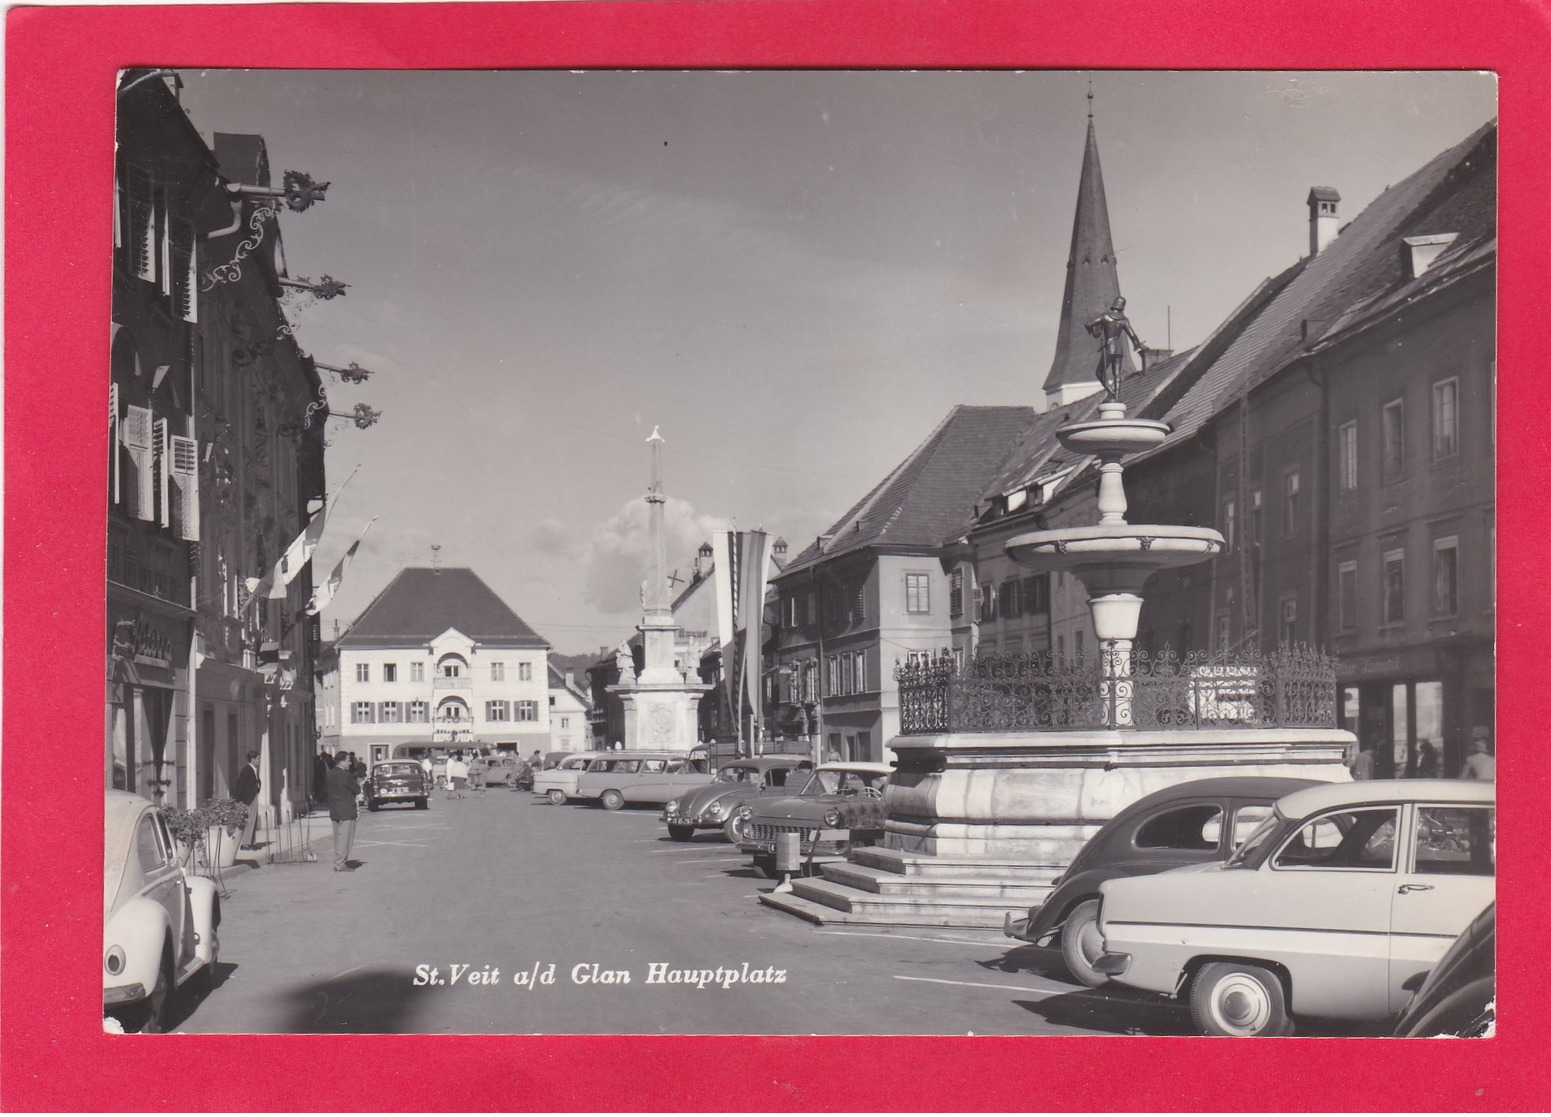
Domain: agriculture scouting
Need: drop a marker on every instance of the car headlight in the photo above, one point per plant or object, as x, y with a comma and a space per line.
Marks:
716, 810
113, 961
746, 812
832, 817
673, 805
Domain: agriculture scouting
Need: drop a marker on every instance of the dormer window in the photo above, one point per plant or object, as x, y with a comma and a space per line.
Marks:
1418, 253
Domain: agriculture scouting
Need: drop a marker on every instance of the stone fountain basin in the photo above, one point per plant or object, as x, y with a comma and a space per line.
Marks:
1110, 437
1110, 558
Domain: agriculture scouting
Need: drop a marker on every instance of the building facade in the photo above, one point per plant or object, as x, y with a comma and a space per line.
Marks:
437, 660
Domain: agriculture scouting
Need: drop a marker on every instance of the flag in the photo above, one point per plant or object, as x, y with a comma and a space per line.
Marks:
322, 595
299, 553
742, 572
755, 572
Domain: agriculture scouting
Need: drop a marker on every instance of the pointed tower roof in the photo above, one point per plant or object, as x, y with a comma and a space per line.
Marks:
1092, 285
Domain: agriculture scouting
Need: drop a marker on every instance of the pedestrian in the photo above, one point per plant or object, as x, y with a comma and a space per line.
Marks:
1480, 764
1426, 761
477, 773
536, 761
1363, 764
320, 778
457, 775
245, 791
343, 787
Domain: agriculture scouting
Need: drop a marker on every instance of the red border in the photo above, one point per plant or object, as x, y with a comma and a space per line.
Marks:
59, 88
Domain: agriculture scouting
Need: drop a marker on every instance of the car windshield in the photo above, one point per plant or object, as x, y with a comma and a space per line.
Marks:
843, 783
1258, 839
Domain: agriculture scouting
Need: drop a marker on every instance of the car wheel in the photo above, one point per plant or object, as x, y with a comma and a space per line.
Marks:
557, 797
1233, 999
681, 833
765, 867
1081, 943
612, 800
152, 1018
733, 828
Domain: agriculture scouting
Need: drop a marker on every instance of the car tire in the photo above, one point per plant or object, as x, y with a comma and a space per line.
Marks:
150, 1015
611, 800
557, 797
733, 828
1081, 944
1236, 999
681, 833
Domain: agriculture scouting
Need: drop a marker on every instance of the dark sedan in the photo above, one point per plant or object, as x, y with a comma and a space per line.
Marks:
1459, 997
1188, 824
397, 781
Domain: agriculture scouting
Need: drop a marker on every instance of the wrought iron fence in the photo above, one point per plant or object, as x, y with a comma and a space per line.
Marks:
1293, 686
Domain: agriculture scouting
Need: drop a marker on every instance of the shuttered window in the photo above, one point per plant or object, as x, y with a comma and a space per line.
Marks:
160, 461
140, 218
956, 594
137, 440
183, 277
185, 485
113, 450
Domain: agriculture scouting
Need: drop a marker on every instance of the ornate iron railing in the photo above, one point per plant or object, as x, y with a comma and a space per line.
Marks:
1294, 686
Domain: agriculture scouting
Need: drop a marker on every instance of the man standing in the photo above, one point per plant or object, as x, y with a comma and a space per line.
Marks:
343, 788
245, 791
1480, 764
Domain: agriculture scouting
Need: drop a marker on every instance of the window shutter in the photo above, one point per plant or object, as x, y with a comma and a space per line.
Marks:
137, 439
113, 451
185, 277
185, 476
141, 214
118, 211
956, 594
979, 605
164, 259
160, 462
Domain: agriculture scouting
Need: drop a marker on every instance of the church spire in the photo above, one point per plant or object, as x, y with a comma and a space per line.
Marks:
1092, 285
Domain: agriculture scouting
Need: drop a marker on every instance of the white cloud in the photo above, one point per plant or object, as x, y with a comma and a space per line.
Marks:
616, 557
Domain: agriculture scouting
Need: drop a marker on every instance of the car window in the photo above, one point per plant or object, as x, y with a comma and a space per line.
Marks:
1459, 841
628, 766
1197, 826
776, 777
653, 765
1360, 839
148, 846
731, 774
1247, 819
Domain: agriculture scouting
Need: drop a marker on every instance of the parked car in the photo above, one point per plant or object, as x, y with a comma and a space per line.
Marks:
558, 783
397, 781
638, 776
1190, 823
1335, 907
714, 806
840, 806
159, 924
503, 769
1459, 997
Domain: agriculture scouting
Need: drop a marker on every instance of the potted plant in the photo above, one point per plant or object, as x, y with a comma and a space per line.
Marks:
224, 820
188, 831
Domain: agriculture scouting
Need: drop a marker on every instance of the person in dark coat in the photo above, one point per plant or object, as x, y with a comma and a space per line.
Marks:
245, 791
320, 778
343, 787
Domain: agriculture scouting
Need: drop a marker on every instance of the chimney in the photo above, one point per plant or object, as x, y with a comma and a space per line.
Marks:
1324, 222
702, 559
1418, 253
779, 548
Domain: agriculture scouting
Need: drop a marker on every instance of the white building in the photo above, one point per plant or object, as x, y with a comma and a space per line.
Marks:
568, 709
436, 660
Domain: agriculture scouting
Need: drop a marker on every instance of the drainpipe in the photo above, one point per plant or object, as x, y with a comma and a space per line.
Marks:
1320, 507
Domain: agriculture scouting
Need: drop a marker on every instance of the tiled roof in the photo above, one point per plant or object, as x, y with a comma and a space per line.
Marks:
924, 499
1320, 294
421, 603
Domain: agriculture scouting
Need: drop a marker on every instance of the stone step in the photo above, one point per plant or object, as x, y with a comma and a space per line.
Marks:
870, 878
964, 911
821, 914
958, 868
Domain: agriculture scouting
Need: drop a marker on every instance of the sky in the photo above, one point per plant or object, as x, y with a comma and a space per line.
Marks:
795, 275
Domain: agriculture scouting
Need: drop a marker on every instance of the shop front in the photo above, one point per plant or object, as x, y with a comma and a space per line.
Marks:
1416, 707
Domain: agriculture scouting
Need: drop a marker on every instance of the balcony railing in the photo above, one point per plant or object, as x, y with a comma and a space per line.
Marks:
452, 682
1292, 687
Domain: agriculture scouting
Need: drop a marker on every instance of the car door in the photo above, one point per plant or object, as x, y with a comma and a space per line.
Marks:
1449, 875
1324, 910
162, 880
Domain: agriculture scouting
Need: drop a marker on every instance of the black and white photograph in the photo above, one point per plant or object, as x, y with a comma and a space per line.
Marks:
781, 552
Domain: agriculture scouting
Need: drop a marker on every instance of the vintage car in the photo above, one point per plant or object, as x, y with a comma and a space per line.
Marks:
840, 807
1187, 824
1336, 906
1459, 997
159, 924
639, 776
557, 782
397, 781
504, 769
714, 806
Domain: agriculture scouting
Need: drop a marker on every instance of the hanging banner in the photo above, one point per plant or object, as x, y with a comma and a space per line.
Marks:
755, 572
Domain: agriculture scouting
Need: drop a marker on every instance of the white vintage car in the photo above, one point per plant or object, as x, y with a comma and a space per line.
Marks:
1337, 906
159, 924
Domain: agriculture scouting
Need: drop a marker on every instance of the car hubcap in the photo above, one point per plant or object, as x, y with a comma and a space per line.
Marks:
1089, 942
1241, 1005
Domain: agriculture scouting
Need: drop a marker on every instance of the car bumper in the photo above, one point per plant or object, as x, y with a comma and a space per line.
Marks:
1016, 926
396, 793
122, 994
809, 841
1112, 963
